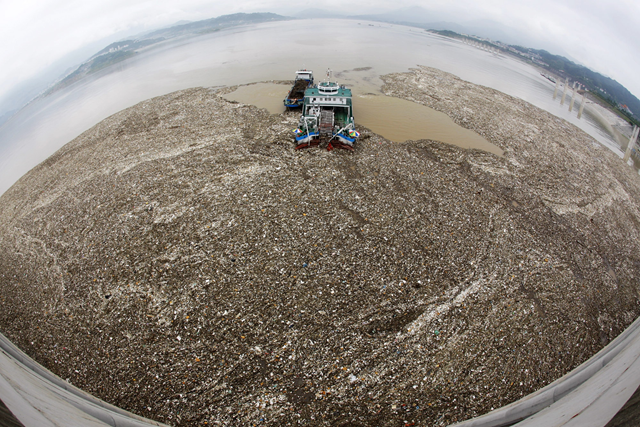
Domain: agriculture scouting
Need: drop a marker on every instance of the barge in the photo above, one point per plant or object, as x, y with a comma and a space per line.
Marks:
295, 97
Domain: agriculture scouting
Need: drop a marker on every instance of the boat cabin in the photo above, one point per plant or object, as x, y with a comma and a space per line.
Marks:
331, 103
305, 75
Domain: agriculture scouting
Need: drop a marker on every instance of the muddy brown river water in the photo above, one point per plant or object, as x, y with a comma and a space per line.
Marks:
396, 119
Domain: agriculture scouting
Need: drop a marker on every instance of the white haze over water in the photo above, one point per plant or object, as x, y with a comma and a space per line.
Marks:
41, 38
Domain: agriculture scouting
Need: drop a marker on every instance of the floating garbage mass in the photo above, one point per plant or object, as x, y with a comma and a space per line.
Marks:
183, 261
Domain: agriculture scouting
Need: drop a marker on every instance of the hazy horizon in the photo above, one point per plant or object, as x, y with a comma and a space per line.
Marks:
600, 37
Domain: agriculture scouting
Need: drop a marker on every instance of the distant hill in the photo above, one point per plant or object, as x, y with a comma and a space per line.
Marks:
605, 87
119, 51
112, 54
601, 86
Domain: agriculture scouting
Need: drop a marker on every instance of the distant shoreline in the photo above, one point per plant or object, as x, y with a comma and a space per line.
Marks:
619, 128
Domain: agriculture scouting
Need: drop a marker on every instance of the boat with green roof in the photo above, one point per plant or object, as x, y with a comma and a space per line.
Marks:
327, 115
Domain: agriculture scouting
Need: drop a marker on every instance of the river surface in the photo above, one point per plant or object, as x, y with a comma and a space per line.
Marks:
396, 119
264, 52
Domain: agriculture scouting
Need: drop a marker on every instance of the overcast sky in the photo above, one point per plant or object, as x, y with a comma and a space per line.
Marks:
36, 34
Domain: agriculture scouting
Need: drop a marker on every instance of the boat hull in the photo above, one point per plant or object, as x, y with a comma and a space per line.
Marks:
345, 139
295, 97
305, 139
293, 103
